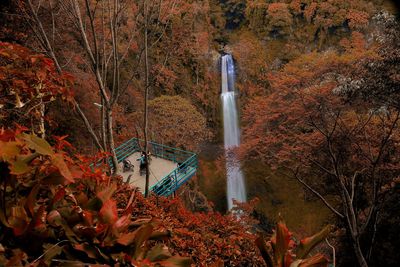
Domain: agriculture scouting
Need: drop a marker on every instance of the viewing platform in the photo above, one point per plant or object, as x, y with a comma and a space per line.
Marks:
169, 167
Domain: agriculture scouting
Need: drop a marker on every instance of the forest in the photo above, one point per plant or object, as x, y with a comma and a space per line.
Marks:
199, 133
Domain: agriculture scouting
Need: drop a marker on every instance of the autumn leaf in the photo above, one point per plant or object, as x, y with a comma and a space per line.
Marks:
92, 251
58, 196
260, 242
282, 242
51, 252
108, 213
38, 144
137, 238
107, 192
58, 161
39, 219
158, 252
18, 220
177, 261
31, 199
307, 244
9, 150
19, 167
317, 260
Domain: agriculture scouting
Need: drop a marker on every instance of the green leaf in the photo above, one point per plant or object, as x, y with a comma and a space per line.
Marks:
9, 150
55, 219
40, 145
19, 167
58, 161
158, 235
28, 158
142, 235
308, 243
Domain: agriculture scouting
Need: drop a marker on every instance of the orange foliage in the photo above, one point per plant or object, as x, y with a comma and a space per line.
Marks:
100, 220
296, 91
28, 81
175, 121
358, 19
280, 15
334, 145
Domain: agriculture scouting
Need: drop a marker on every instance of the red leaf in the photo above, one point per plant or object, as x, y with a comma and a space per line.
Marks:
58, 196
39, 221
122, 223
108, 213
282, 241
106, 194
18, 220
31, 200
58, 161
138, 237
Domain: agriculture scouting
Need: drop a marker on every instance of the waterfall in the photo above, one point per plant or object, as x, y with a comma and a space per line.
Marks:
235, 180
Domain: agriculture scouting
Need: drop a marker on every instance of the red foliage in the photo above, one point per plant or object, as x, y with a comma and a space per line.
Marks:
28, 82
74, 213
333, 145
282, 250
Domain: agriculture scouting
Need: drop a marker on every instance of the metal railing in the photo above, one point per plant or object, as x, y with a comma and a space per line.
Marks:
172, 181
187, 163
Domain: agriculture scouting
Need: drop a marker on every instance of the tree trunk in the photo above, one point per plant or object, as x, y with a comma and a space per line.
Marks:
110, 140
360, 257
88, 126
41, 34
42, 129
146, 93
103, 122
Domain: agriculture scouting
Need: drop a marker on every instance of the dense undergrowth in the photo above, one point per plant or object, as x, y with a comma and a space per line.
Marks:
69, 212
72, 213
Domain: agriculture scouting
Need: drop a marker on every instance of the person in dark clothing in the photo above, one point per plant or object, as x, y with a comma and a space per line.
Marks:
142, 160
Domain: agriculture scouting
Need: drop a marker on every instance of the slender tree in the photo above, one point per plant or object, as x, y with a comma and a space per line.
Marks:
99, 27
146, 92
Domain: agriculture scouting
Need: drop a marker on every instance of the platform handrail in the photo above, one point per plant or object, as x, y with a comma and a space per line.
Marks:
187, 163
172, 181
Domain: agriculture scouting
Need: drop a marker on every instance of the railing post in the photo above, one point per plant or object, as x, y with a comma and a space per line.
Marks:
176, 180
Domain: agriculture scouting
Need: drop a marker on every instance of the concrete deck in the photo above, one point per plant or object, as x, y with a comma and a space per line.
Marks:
158, 169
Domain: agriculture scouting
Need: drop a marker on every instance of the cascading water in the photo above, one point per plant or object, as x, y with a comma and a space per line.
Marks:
235, 181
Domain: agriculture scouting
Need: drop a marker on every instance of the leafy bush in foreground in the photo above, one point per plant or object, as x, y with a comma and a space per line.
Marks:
73, 214
282, 250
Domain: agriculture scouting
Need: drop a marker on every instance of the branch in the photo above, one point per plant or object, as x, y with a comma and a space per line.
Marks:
43, 36
319, 196
333, 252
376, 185
88, 49
322, 167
